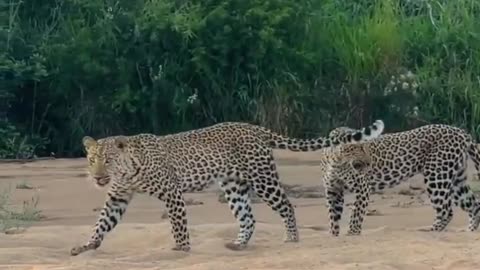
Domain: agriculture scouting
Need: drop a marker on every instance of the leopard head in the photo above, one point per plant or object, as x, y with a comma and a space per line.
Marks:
98, 161
112, 157
356, 155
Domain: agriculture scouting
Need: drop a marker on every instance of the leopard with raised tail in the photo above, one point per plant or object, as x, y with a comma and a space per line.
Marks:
438, 152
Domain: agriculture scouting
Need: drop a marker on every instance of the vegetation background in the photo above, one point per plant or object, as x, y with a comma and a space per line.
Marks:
70, 68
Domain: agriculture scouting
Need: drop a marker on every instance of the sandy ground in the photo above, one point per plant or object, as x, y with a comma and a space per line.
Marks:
390, 240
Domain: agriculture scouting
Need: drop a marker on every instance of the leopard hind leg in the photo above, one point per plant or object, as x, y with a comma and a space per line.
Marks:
464, 197
438, 179
236, 194
264, 177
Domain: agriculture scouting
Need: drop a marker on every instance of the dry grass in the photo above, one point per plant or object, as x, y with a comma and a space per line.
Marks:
24, 185
14, 219
475, 186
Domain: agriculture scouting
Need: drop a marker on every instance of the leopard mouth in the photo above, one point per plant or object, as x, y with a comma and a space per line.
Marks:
101, 182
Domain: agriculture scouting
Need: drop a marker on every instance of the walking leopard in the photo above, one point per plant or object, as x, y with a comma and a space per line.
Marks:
438, 152
236, 155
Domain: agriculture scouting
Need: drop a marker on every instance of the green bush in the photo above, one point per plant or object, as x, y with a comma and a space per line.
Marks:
104, 67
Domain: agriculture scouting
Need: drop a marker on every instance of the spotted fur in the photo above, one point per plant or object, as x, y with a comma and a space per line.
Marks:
438, 152
237, 155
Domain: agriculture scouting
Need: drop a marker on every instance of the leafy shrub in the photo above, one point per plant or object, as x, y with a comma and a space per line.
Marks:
104, 67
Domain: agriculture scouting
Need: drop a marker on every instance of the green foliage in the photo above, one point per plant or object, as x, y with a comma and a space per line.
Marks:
15, 145
102, 67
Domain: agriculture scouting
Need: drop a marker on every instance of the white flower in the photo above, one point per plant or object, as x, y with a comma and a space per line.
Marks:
415, 111
405, 86
410, 75
193, 98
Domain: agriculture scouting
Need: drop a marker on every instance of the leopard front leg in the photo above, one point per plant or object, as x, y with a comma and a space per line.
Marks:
360, 206
335, 200
111, 213
177, 213
167, 189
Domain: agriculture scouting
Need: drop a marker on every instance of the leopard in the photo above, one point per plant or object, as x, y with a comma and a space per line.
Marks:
438, 152
236, 155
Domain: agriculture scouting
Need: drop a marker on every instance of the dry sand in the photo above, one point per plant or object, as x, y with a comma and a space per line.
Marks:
390, 239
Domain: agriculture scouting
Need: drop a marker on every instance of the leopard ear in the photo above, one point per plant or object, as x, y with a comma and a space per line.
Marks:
88, 142
121, 142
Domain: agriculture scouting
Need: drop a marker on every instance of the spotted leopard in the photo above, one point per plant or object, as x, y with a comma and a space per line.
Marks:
237, 155
438, 152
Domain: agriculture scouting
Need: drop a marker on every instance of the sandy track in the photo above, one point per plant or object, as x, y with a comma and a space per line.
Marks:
142, 241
